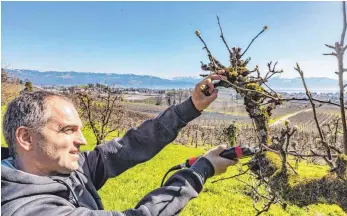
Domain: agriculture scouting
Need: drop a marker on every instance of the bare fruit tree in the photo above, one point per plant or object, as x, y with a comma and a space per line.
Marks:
270, 167
103, 113
159, 99
258, 101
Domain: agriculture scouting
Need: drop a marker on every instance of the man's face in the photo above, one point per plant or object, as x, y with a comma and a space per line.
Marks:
57, 148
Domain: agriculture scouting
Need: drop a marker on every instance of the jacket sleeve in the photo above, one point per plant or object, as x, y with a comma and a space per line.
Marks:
168, 200
179, 189
138, 144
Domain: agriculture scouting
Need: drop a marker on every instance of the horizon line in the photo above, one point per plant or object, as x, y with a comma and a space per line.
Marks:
162, 77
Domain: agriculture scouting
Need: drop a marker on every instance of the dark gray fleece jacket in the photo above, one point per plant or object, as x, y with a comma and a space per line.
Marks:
76, 194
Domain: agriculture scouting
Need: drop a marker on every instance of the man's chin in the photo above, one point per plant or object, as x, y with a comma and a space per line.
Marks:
69, 170
74, 167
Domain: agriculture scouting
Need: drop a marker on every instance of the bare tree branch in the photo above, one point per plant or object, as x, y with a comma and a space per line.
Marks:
296, 173
332, 47
298, 155
306, 99
246, 90
265, 27
329, 162
344, 24
333, 54
208, 52
336, 149
266, 206
222, 36
340, 53
314, 113
221, 179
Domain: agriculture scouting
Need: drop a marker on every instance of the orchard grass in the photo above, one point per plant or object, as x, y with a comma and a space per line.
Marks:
221, 198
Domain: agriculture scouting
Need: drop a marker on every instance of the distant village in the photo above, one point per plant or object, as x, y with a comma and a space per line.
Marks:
135, 94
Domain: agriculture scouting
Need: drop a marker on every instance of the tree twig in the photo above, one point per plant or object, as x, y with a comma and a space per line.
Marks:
208, 51
344, 23
314, 112
265, 27
244, 172
296, 173
332, 47
307, 99
266, 206
246, 90
222, 36
299, 155
333, 54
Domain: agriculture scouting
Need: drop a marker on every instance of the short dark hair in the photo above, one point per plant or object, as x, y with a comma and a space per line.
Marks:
28, 109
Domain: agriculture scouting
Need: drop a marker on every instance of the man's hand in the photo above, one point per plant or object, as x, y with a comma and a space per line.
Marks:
200, 100
219, 163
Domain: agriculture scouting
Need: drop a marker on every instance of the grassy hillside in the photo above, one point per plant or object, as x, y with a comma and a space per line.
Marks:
9, 91
221, 198
3, 110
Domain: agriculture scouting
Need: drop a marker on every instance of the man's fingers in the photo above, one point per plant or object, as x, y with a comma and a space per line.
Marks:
210, 85
209, 99
220, 71
234, 161
228, 161
207, 82
220, 148
213, 76
202, 87
217, 77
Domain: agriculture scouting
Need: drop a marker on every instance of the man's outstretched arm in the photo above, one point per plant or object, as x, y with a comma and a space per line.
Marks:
142, 143
138, 144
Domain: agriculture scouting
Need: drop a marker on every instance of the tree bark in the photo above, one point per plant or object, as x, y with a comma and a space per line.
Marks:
342, 103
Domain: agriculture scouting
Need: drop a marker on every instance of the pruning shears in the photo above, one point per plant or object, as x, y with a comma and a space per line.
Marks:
231, 153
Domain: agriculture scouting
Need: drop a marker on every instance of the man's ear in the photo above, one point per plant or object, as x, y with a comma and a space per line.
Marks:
24, 138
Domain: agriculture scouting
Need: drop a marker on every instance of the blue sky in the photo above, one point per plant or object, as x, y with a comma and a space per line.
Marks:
157, 38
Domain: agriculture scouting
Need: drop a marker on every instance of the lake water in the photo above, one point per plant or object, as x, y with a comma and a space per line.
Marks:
293, 90
302, 90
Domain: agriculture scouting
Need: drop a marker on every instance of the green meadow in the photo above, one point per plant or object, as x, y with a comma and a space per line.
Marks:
221, 198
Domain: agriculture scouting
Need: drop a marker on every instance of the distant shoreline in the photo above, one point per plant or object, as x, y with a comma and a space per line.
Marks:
302, 90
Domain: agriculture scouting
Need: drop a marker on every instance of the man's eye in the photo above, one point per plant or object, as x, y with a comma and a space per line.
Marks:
69, 131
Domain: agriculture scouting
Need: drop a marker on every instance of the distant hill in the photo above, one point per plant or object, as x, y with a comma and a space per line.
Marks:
69, 78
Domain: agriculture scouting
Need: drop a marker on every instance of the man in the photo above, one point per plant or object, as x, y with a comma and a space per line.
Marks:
46, 174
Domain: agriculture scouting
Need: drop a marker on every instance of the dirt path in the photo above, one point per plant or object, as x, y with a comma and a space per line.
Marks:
279, 121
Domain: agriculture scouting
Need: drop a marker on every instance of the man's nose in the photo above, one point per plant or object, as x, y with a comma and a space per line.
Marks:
80, 140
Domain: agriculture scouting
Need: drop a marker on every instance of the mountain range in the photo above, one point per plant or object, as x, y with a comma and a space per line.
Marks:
68, 78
